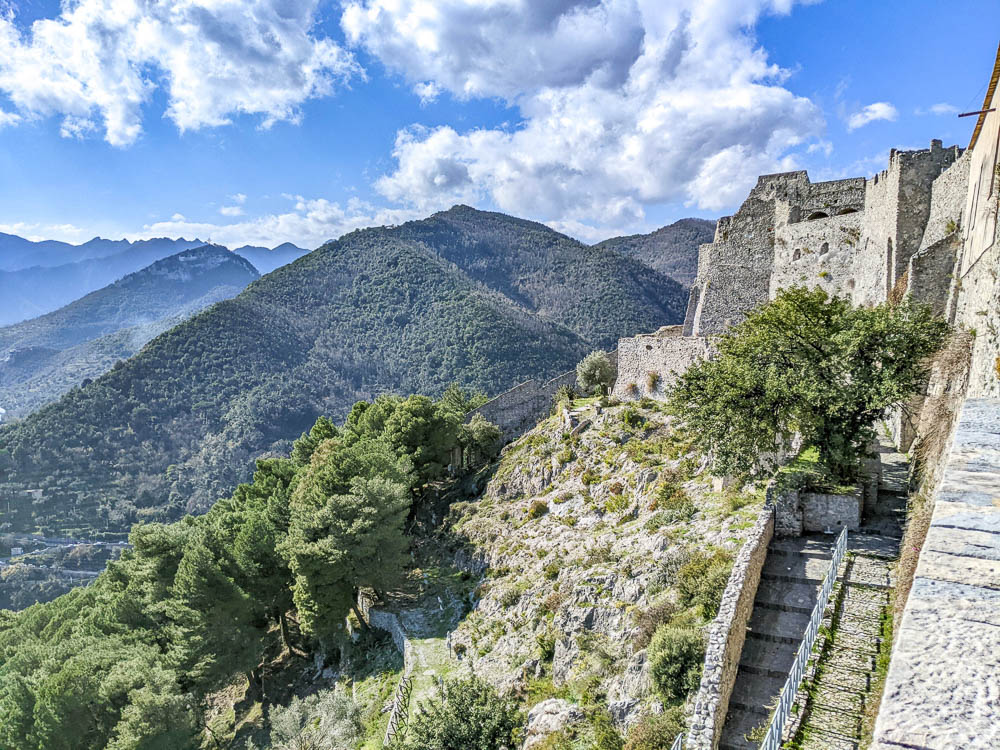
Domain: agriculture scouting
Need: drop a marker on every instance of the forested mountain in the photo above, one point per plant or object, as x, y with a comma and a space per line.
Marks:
266, 259
39, 277
476, 298
672, 250
42, 358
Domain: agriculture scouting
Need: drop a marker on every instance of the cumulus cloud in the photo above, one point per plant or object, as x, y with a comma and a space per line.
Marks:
101, 61
308, 223
231, 210
8, 118
624, 103
871, 113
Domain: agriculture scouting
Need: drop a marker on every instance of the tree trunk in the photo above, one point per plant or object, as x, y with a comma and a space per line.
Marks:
361, 620
283, 626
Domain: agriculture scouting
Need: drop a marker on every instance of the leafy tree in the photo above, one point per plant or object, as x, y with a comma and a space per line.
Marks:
480, 438
675, 657
467, 715
805, 363
595, 373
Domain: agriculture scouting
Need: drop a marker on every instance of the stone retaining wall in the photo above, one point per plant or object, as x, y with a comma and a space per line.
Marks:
649, 364
518, 410
726, 637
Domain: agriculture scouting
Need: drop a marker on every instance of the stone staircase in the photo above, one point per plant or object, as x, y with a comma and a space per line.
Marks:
832, 704
789, 586
832, 699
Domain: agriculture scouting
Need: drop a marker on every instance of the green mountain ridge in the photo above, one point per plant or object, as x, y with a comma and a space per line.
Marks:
42, 358
464, 296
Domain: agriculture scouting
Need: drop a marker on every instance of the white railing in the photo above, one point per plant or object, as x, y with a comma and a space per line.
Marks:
678, 743
772, 740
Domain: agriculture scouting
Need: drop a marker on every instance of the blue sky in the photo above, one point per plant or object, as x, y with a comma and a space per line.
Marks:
271, 120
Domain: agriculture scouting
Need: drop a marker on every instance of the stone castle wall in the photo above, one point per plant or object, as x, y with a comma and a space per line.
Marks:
648, 365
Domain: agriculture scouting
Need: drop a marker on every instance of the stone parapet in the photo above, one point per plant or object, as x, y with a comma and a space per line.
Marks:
726, 636
942, 688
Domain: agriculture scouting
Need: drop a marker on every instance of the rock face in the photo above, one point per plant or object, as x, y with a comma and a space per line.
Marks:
577, 546
548, 717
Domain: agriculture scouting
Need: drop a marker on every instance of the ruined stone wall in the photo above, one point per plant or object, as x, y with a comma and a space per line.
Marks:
726, 636
664, 355
817, 253
518, 410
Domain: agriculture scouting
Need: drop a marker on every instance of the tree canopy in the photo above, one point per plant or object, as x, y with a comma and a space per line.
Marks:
806, 363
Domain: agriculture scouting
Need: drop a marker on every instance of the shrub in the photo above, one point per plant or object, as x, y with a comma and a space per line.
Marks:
656, 731
564, 394
651, 618
553, 601
595, 373
562, 497
672, 499
589, 477
324, 721
468, 714
538, 508
565, 455
509, 596
551, 570
615, 504
702, 579
652, 381
546, 645
631, 418
675, 656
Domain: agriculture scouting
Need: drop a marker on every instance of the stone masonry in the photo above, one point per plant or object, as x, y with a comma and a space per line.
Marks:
726, 638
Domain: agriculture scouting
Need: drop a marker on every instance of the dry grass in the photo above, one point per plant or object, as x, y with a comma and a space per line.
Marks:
898, 292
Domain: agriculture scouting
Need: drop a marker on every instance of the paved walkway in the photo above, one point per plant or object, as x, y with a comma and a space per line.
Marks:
943, 687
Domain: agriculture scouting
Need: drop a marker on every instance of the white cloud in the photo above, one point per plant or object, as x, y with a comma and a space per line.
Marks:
39, 232
8, 118
624, 103
823, 147
103, 59
239, 198
231, 211
308, 223
871, 113
941, 108
428, 91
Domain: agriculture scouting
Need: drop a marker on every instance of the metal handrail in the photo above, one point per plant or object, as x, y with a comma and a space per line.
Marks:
772, 740
678, 743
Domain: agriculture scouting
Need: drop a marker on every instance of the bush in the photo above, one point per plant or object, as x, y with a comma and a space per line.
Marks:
538, 509
672, 500
650, 619
657, 731
675, 656
631, 418
702, 579
551, 570
564, 394
324, 721
595, 373
652, 381
468, 714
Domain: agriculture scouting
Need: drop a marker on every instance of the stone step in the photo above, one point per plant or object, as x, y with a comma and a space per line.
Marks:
738, 724
762, 657
778, 624
806, 546
790, 597
795, 568
833, 720
753, 692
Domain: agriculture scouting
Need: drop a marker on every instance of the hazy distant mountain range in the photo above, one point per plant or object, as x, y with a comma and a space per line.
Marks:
42, 358
39, 277
481, 299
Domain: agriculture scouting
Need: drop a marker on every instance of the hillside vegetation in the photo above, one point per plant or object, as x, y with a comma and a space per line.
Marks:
460, 297
42, 358
672, 250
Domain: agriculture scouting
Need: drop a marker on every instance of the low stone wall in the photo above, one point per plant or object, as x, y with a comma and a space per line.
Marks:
649, 364
823, 511
518, 410
390, 623
726, 637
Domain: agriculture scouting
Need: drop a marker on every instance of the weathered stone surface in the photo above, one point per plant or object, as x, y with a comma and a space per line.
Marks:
648, 365
943, 686
825, 512
548, 717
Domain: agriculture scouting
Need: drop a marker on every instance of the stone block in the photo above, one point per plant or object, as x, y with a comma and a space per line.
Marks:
829, 512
